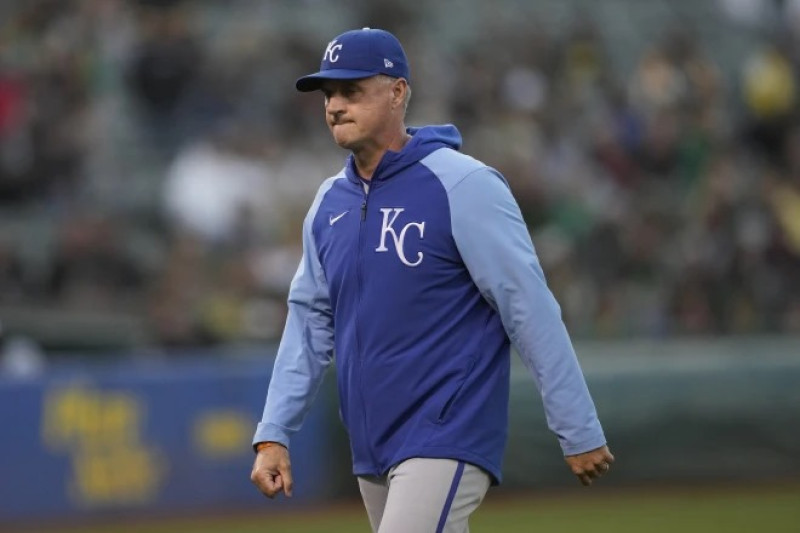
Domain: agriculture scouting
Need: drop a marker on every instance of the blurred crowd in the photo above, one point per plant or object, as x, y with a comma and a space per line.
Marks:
156, 162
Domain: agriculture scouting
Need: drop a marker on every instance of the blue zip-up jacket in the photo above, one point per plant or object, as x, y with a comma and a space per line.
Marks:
417, 282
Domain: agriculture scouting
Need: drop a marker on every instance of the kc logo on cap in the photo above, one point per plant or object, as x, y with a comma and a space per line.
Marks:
331, 52
359, 54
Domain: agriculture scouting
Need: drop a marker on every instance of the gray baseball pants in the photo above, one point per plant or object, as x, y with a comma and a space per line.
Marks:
424, 496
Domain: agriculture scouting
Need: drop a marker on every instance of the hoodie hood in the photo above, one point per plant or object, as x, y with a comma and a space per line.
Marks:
438, 135
423, 141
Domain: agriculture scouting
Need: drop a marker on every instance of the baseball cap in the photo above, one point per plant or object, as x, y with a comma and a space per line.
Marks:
357, 54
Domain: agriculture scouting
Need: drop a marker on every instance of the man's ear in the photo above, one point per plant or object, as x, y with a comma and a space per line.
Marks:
399, 89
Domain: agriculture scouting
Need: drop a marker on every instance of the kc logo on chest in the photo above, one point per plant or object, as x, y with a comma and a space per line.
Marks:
388, 229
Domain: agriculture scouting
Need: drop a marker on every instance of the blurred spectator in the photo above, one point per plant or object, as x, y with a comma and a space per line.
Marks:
175, 295
222, 190
770, 94
20, 356
91, 267
12, 281
163, 70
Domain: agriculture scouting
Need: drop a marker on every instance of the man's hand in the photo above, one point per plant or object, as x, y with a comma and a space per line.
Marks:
272, 471
590, 465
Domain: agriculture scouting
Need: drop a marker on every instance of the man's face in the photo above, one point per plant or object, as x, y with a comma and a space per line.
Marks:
359, 112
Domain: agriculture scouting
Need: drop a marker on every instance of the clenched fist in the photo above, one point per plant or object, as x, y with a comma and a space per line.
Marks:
590, 465
272, 470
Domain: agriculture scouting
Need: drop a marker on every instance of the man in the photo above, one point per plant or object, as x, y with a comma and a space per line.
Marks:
417, 273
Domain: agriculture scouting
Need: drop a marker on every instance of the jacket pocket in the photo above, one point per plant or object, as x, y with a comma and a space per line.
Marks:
457, 393
448, 405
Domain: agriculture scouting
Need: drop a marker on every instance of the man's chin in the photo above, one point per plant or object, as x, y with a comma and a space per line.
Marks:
342, 135
344, 142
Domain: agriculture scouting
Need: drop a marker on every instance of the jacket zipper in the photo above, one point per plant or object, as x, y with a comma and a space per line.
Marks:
359, 283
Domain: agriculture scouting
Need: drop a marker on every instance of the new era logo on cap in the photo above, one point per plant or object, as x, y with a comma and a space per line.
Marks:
358, 54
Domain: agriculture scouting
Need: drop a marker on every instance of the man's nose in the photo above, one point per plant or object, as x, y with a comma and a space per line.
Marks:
334, 105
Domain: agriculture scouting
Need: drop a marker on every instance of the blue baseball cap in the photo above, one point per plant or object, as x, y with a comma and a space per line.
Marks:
358, 54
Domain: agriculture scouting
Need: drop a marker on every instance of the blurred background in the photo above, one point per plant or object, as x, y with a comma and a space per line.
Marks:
156, 164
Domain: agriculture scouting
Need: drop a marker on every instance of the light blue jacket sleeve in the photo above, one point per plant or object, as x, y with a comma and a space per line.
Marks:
306, 347
496, 247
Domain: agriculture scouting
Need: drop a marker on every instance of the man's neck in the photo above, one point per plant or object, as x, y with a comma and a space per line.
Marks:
368, 159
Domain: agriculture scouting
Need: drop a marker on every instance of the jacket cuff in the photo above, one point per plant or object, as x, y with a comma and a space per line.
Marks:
584, 446
270, 432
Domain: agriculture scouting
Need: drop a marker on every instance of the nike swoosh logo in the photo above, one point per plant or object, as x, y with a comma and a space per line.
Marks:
334, 220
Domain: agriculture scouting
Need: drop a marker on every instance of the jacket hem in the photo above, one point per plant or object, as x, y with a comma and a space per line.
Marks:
434, 452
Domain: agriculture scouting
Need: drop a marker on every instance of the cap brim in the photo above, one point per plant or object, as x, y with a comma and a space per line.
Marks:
313, 82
